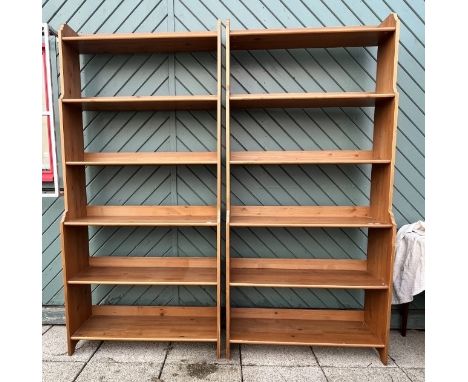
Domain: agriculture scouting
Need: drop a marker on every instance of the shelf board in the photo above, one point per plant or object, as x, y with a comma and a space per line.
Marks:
148, 271
304, 216
125, 43
330, 37
305, 157
188, 102
148, 323
145, 158
307, 100
303, 273
301, 327
146, 216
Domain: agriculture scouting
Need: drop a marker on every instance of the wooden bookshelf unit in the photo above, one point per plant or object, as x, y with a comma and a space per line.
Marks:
133, 323
368, 327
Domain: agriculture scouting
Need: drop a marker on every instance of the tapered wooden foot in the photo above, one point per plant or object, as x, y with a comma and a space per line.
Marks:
228, 350
218, 350
71, 346
383, 354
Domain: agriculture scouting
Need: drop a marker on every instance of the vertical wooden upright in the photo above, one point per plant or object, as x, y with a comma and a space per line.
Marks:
134, 323
381, 243
219, 89
367, 327
228, 188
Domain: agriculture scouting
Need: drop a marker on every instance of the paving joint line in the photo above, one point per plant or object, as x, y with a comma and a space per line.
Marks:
318, 363
240, 362
50, 327
86, 362
168, 349
405, 373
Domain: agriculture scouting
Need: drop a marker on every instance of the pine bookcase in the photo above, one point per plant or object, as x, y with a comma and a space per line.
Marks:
133, 323
368, 327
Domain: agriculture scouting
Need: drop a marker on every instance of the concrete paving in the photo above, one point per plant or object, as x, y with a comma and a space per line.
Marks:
153, 362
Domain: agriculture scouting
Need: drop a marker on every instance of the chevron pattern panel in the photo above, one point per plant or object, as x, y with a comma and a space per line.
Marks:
350, 69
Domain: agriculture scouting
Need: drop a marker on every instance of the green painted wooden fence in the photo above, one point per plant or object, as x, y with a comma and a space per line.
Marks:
338, 69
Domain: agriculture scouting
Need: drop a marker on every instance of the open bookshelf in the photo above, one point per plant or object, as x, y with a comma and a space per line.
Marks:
367, 327
86, 321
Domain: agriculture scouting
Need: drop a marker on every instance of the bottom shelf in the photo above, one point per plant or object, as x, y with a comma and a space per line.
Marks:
149, 323
301, 327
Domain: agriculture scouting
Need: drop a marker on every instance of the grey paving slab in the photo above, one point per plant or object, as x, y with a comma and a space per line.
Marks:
191, 353
117, 351
349, 357
54, 347
45, 328
201, 371
368, 374
121, 372
408, 352
281, 373
416, 375
260, 355
60, 371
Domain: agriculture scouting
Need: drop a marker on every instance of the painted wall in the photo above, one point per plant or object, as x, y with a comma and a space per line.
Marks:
350, 69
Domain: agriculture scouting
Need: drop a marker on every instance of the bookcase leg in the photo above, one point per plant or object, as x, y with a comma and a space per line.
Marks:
71, 346
228, 350
218, 350
383, 354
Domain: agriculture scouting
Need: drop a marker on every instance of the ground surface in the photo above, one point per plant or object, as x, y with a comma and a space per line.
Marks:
174, 362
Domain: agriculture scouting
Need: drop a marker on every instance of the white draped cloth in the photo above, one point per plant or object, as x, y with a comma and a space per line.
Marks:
408, 268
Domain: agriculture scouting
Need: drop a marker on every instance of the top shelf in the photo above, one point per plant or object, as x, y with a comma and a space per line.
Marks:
143, 42
335, 37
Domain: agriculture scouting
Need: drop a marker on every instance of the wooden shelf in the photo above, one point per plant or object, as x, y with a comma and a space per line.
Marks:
305, 157
148, 271
306, 100
145, 158
304, 216
301, 327
309, 37
146, 216
366, 328
133, 323
143, 42
197, 102
303, 273
148, 323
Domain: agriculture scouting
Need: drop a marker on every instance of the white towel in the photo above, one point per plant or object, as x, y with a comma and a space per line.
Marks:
408, 268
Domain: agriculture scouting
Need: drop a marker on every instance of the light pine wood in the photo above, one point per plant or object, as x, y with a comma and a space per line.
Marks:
301, 327
147, 271
329, 37
148, 323
369, 327
196, 102
74, 254
121, 43
79, 270
304, 216
306, 157
381, 244
228, 188
74, 243
303, 273
219, 90
147, 216
304, 100
145, 158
